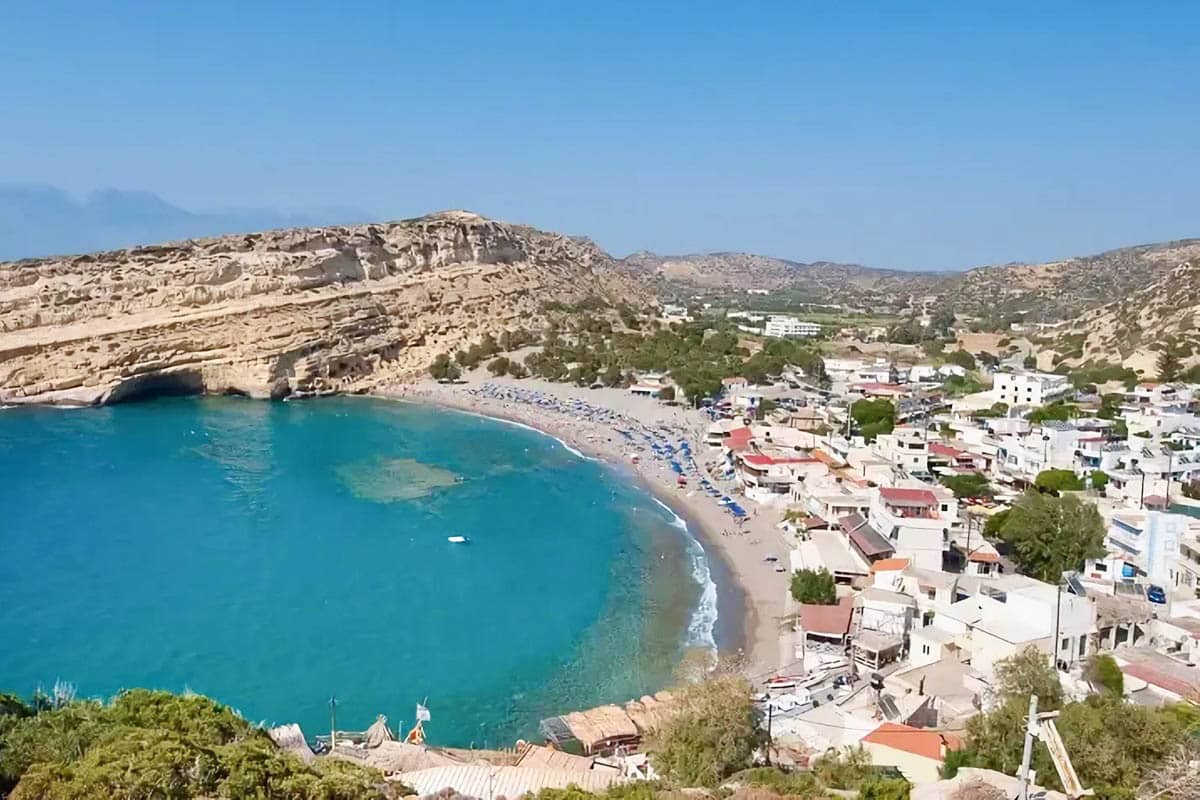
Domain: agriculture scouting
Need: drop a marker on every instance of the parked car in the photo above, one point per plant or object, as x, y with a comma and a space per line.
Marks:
1155, 594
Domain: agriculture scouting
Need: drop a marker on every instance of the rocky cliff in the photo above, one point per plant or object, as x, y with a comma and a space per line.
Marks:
280, 313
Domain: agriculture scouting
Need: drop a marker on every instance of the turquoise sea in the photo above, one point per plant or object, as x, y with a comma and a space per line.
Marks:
273, 555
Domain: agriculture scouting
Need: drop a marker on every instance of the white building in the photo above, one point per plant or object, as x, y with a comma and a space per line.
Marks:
1162, 547
782, 326
916, 522
1029, 388
904, 447
1004, 615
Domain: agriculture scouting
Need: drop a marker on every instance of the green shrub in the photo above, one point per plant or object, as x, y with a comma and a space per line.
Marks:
813, 586
1058, 480
1102, 671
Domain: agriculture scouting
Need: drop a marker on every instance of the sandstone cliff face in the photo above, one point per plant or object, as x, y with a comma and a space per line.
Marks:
284, 312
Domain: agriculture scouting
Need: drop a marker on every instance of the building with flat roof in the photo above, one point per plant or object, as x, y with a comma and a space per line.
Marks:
783, 326
1025, 388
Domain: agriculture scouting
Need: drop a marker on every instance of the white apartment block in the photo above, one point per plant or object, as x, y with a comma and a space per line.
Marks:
907, 448
1163, 548
916, 522
1028, 388
783, 326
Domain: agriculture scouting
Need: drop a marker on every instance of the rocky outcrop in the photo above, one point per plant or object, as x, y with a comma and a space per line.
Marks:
300, 311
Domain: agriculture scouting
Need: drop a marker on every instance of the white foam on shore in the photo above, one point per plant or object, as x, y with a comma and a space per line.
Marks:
702, 628
573, 451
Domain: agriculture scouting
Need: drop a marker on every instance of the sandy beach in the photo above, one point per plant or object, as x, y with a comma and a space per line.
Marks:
741, 548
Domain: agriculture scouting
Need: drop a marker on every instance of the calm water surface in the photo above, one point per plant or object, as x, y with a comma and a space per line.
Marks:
274, 554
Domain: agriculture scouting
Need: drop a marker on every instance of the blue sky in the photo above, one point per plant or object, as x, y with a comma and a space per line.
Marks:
894, 134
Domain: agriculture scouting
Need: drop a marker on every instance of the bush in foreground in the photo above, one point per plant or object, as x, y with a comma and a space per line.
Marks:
147, 744
712, 736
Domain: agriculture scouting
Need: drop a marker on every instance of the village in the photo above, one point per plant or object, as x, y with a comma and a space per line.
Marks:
891, 493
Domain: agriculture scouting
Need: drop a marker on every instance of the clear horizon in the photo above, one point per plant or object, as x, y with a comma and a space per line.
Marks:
943, 138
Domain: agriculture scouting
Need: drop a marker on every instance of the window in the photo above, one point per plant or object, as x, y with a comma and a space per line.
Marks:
925, 649
1066, 645
1082, 646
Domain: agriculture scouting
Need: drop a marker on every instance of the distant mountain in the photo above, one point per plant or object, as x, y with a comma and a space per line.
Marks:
1046, 292
816, 282
42, 221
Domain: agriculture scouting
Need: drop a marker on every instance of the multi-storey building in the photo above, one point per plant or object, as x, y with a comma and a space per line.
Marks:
1029, 388
783, 326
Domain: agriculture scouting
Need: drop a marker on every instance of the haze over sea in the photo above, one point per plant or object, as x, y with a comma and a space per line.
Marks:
274, 554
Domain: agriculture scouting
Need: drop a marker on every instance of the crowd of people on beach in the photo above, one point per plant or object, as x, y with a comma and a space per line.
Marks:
659, 442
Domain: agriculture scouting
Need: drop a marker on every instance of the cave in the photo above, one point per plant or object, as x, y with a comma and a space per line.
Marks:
163, 384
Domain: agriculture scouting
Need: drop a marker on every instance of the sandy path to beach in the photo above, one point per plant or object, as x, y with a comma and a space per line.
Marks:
742, 550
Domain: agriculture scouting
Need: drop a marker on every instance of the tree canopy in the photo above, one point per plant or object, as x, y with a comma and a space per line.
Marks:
1051, 534
712, 736
1058, 480
972, 484
1113, 745
1168, 366
873, 417
1057, 411
813, 586
159, 745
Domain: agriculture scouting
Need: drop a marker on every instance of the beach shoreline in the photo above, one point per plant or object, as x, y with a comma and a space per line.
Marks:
747, 586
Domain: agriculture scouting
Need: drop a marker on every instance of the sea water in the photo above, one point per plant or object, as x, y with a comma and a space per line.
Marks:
277, 555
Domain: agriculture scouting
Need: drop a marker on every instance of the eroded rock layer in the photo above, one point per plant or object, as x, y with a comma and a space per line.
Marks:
273, 314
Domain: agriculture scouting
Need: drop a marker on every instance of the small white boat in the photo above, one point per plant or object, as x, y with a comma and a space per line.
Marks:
457, 539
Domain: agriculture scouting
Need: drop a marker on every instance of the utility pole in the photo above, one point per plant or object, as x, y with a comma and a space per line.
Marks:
1057, 615
770, 717
1031, 732
332, 722
1170, 465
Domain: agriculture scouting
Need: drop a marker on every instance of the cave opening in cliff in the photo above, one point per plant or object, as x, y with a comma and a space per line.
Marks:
167, 384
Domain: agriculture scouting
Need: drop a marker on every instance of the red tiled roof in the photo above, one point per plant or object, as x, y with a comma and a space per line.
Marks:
881, 387
939, 449
737, 436
929, 744
889, 564
1155, 500
984, 557
763, 460
908, 496
733, 380
831, 620
1162, 680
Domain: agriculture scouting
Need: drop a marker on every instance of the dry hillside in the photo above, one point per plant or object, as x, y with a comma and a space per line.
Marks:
1044, 292
1165, 312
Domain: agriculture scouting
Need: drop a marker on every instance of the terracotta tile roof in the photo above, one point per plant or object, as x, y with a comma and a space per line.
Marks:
881, 387
889, 564
913, 497
824, 458
939, 449
985, 556
762, 460
737, 436
831, 620
929, 744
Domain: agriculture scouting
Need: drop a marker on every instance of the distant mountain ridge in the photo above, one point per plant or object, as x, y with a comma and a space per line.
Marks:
39, 221
1049, 291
